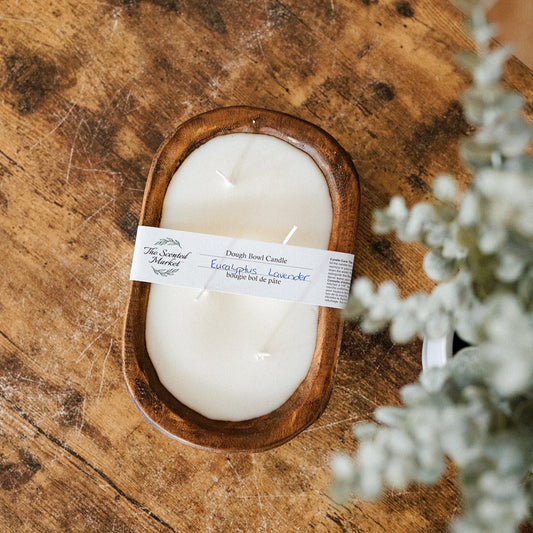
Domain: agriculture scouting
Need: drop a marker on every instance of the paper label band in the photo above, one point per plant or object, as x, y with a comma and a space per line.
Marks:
239, 266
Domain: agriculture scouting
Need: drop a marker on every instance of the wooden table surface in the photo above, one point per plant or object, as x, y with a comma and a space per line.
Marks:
88, 91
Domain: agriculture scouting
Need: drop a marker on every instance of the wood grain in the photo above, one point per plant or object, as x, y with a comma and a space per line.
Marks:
309, 400
88, 91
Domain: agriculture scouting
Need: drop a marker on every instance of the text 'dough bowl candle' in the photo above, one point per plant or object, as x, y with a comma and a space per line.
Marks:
239, 372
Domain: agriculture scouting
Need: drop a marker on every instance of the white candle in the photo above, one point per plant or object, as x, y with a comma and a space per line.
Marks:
232, 357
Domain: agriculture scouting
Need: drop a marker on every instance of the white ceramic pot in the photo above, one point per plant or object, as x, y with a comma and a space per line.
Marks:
435, 352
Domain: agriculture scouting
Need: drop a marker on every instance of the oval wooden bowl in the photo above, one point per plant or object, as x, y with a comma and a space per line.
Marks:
307, 403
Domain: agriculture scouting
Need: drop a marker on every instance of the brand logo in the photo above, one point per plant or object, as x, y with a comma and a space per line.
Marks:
164, 256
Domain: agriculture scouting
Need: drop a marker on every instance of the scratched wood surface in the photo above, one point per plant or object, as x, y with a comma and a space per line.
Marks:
88, 90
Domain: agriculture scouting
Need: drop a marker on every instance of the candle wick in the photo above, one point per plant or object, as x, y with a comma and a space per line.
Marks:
208, 280
198, 296
204, 288
225, 178
263, 354
290, 234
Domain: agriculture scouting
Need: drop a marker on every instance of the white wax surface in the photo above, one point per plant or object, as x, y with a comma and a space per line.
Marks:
232, 357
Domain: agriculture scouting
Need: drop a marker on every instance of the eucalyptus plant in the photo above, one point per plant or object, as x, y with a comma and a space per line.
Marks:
477, 410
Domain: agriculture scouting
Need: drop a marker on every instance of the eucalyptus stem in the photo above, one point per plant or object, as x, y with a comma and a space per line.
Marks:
477, 410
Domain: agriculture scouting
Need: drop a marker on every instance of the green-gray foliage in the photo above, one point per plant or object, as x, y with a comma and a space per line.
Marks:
165, 272
478, 409
167, 240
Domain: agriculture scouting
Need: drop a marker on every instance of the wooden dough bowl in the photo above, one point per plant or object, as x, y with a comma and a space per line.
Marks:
309, 400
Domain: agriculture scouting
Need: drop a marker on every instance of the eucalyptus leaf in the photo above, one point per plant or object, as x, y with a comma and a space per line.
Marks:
445, 188
392, 416
438, 267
